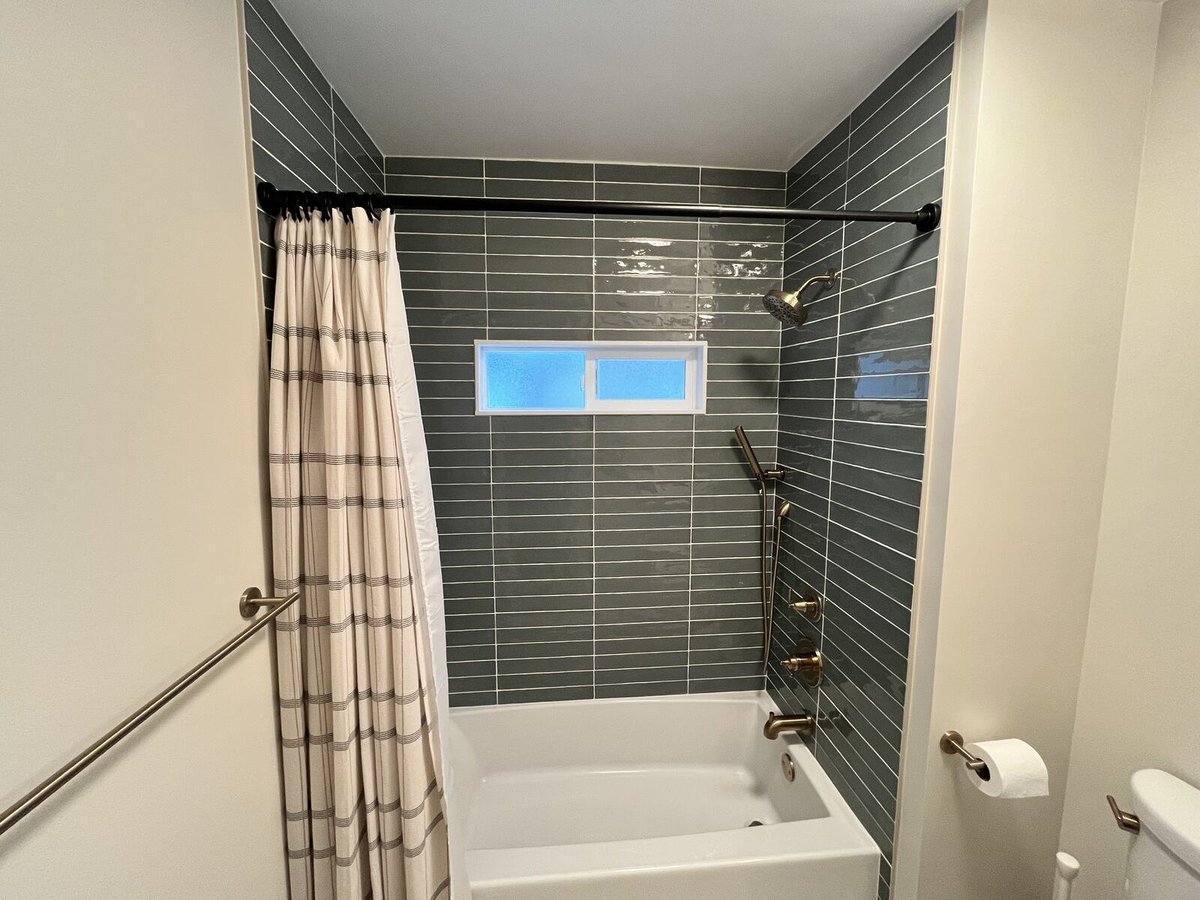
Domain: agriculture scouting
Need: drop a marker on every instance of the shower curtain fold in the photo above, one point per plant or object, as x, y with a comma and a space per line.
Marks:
359, 669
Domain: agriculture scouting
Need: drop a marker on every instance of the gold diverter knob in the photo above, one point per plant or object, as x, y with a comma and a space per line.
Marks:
810, 606
806, 661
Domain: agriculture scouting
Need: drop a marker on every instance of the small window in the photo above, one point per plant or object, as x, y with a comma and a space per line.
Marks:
535, 379
631, 378
545, 377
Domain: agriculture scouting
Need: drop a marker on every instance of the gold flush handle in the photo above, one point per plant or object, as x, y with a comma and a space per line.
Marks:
805, 662
1125, 821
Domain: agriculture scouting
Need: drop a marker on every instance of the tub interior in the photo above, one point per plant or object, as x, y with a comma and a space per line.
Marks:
594, 772
570, 805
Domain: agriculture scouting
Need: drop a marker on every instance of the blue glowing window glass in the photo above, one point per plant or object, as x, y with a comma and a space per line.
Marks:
535, 379
641, 379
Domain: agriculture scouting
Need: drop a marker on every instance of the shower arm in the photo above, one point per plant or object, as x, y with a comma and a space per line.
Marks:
829, 277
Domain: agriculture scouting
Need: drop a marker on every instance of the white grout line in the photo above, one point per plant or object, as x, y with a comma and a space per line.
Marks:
347, 129
283, 47
903, 605
283, 164
792, 182
286, 109
569, 180
288, 141
882, 105
898, 245
333, 133
595, 573
941, 110
299, 94
905, 190
874, 630
869, 677
491, 487
314, 86
857, 772
939, 142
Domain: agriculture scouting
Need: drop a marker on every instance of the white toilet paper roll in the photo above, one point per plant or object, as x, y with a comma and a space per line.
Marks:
1016, 769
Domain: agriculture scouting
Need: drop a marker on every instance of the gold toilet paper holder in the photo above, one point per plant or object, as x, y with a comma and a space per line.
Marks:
952, 743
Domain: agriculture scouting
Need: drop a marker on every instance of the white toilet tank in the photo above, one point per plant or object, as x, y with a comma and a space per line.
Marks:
1164, 863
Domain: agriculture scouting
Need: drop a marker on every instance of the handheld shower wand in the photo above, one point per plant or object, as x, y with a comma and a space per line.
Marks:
752, 459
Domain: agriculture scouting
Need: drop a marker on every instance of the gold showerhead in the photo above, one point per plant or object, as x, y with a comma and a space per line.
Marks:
786, 306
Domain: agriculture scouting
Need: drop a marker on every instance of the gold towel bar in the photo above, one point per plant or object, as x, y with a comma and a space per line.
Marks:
251, 601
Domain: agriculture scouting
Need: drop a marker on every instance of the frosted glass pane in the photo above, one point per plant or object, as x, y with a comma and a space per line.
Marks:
534, 379
641, 379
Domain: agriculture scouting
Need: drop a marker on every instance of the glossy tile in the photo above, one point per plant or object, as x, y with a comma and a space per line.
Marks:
745, 178
590, 523
356, 157
742, 196
424, 165
648, 193
616, 556
532, 190
854, 382
638, 174
534, 170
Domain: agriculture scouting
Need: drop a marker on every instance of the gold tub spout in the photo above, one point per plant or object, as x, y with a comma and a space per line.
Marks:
803, 724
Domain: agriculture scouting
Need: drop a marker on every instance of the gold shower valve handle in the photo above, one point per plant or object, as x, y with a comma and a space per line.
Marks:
810, 606
805, 662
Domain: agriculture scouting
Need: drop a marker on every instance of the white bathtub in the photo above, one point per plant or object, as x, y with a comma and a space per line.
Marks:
648, 798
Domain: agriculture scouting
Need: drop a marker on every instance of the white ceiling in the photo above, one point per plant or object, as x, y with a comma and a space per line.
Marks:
745, 83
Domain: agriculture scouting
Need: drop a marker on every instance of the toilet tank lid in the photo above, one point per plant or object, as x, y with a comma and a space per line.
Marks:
1170, 809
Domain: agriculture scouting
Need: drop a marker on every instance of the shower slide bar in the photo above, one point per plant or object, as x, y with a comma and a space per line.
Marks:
769, 563
274, 201
251, 602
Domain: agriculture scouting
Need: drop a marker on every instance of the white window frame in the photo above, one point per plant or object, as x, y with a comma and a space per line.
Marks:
693, 353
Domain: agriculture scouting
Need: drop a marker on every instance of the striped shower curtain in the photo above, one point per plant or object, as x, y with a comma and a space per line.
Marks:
362, 769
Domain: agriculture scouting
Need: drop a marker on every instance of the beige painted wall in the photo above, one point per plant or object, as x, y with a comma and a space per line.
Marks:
1055, 129
129, 380
1139, 706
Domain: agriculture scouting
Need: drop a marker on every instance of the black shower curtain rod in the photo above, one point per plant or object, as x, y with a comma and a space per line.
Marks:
274, 201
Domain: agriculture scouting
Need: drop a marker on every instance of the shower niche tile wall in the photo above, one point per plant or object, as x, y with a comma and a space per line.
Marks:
609, 555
